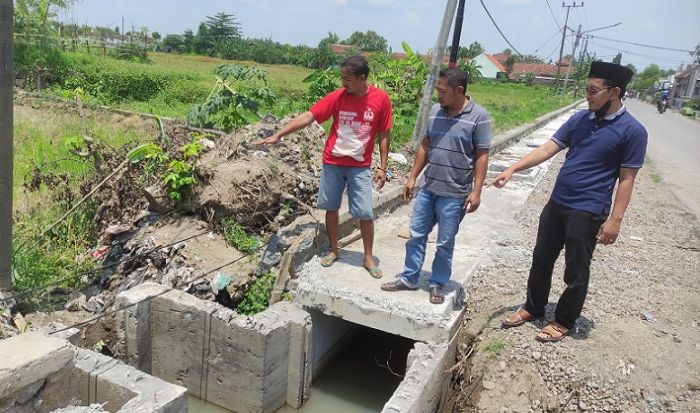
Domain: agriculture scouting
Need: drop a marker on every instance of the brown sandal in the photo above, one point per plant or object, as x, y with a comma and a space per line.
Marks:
552, 332
517, 318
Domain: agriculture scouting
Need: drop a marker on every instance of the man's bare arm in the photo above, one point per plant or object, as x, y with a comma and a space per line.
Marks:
303, 120
536, 157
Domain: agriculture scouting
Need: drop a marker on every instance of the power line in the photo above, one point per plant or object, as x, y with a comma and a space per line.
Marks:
553, 16
550, 39
499, 29
643, 45
676, 61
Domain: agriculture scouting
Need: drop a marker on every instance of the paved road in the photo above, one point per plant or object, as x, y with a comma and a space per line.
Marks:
674, 150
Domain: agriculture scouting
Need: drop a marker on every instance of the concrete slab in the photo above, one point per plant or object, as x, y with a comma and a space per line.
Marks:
347, 291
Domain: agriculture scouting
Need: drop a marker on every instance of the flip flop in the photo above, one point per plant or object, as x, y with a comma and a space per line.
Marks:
329, 260
436, 295
374, 271
552, 332
517, 318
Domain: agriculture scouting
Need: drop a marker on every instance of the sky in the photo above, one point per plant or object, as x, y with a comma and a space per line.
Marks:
531, 26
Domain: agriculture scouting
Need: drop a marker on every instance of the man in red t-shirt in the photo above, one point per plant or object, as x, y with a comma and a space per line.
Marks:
359, 112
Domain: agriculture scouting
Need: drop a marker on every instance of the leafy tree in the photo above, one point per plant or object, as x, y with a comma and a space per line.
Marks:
472, 70
631, 67
174, 43
188, 39
510, 63
35, 16
617, 59
203, 43
117, 30
507, 51
223, 26
155, 36
645, 80
369, 41
472, 51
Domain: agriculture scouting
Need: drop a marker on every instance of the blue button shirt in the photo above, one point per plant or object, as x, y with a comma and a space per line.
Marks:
597, 151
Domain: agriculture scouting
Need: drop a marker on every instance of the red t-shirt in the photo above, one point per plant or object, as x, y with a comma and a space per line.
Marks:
356, 120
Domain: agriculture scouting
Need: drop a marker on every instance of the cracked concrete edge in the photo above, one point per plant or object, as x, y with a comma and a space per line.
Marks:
421, 390
513, 135
30, 357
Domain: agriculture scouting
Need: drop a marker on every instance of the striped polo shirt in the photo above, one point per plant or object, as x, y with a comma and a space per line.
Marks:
453, 144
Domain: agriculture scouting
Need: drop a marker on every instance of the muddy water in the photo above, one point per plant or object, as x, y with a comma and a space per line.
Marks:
354, 383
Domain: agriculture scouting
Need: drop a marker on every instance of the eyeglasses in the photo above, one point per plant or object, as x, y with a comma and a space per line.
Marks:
594, 91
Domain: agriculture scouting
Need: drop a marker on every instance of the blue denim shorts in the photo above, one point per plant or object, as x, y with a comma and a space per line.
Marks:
359, 183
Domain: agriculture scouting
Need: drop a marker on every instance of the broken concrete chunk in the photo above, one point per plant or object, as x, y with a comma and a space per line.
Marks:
76, 301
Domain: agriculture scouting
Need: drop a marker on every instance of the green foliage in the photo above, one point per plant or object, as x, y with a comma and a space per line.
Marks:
645, 80
472, 69
257, 297
368, 42
223, 26
321, 83
60, 254
404, 81
132, 52
237, 237
234, 95
178, 177
495, 347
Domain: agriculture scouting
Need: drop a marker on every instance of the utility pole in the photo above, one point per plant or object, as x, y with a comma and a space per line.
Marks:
438, 53
456, 35
571, 63
580, 33
563, 34
6, 101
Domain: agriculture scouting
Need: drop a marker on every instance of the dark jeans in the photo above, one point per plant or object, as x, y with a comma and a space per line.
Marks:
576, 231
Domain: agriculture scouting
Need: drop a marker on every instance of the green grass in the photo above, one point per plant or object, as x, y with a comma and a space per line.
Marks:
655, 178
257, 297
237, 237
495, 347
39, 143
513, 104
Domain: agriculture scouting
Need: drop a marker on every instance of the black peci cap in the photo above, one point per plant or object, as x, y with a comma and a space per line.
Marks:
616, 74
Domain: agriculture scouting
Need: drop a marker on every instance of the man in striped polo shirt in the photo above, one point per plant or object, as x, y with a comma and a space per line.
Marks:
454, 154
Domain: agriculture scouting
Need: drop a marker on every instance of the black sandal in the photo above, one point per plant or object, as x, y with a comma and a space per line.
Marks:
397, 285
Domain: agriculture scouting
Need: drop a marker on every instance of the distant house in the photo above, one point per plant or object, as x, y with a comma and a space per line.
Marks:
490, 66
686, 84
342, 49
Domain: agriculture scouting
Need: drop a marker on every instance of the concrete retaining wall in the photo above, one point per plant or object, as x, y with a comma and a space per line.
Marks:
41, 373
421, 390
255, 364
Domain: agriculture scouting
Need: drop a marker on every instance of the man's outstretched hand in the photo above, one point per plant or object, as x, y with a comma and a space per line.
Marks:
268, 141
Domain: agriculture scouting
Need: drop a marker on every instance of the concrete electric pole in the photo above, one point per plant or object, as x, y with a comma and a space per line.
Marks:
6, 147
563, 35
438, 52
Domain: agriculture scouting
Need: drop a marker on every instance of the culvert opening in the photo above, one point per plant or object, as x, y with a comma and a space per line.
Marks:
356, 369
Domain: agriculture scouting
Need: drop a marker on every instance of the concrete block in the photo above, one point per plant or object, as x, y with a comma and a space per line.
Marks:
29, 358
134, 324
299, 351
421, 389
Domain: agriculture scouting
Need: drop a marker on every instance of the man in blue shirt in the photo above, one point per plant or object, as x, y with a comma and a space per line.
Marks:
454, 154
606, 144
